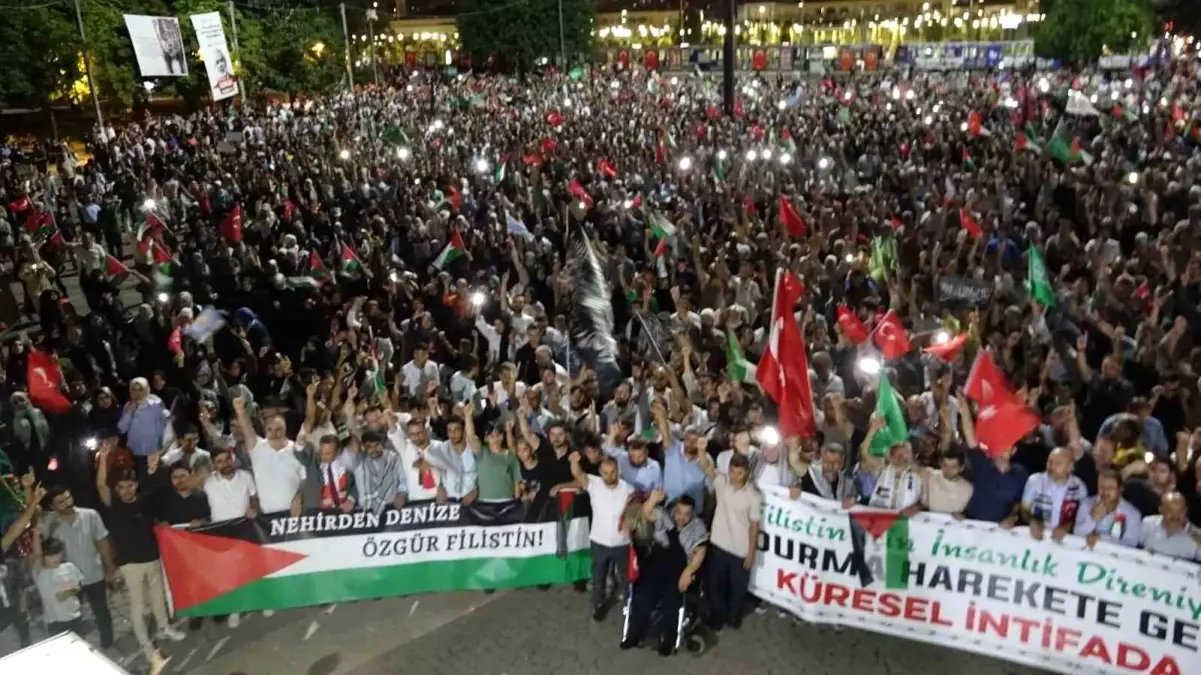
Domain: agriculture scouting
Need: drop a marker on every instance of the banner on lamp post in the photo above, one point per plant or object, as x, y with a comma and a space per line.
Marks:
215, 52
158, 45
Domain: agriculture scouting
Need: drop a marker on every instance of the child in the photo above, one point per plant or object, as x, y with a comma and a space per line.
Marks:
59, 584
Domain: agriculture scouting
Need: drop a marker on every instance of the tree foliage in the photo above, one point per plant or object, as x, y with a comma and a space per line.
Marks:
1080, 30
41, 62
518, 34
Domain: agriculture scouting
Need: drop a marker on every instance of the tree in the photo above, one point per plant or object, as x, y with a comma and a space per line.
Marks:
518, 34
307, 56
39, 56
1080, 30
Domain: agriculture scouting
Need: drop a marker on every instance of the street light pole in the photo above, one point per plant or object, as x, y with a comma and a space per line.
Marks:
233, 29
371, 17
87, 66
562, 41
346, 37
727, 58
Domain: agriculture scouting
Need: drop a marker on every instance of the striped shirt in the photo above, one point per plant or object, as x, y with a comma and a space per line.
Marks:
377, 481
693, 534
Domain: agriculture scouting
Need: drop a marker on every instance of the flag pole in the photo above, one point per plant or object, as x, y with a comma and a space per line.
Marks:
233, 31
87, 66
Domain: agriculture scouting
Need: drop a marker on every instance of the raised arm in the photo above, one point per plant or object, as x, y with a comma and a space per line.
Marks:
249, 436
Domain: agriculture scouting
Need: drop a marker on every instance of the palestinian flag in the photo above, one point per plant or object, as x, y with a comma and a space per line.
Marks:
566, 504
967, 162
1025, 141
1068, 152
153, 227
164, 264
737, 367
786, 142
880, 547
40, 225
395, 136
115, 269
454, 250
663, 231
350, 259
501, 166
317, 268
263, 563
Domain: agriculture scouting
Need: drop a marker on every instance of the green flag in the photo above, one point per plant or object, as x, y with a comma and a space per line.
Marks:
888, 407
844, 115
883, 257
395, 136
1037, 282
576, 73
500, 171
737, 367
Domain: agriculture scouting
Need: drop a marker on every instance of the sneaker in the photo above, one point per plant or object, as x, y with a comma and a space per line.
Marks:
268, 613
628, 643
234, 620
598, 613
173, 634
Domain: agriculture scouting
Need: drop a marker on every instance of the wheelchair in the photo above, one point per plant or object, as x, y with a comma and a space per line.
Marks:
691, 631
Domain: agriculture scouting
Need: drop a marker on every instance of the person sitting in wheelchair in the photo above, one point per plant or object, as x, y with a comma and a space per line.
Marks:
666, 572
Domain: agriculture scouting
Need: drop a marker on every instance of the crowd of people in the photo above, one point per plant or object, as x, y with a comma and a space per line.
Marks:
360, 300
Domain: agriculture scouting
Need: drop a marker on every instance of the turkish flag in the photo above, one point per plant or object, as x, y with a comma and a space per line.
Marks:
783, 371
231, 226
580, 193
947, 351
553, 118
851, 326
791, 219
1001, 424
891, 337
45, 382
986, 384
967, 222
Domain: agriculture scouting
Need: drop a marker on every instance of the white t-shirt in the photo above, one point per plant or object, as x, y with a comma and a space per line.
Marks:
277, 475
49, 583
608, 504
229, 498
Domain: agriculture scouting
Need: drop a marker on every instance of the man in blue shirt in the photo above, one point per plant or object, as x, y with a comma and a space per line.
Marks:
633, 460
997, 486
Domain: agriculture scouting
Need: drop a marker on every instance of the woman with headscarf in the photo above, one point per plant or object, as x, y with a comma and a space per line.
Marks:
28, 435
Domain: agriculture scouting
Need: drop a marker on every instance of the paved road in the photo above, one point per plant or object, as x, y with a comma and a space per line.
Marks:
522, 633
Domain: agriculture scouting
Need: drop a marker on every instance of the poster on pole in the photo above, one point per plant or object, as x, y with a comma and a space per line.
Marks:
215, 53
158, 44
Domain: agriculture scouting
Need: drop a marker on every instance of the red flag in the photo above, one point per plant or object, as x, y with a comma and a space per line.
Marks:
548, 146
947, 351
1021, 142
783, 372
738, 111
637, 202
20, 205
967, 222
580, 193
895, 222
175, 341
791, 219
986, 384
1000, 425
633, 570
45, 382
851, 326
891, 337
55, 240
455, 199
603, 166
975, 123
114, 267
553, 118
748, 205
533, 159
161, 254
289, 211
231, 225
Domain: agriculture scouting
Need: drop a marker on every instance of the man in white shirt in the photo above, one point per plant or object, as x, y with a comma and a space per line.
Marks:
419, 372
230, 491
608, 494
412, 441
1053, 497
1170, 533
278, 474
455, 463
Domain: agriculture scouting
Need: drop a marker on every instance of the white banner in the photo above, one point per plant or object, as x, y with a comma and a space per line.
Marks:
158, 44
215, 53
972, 586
